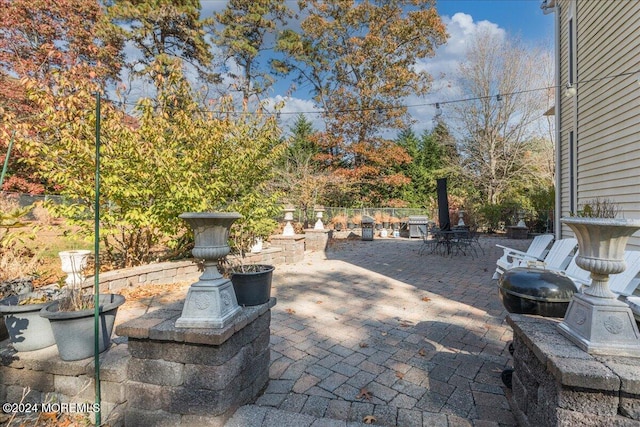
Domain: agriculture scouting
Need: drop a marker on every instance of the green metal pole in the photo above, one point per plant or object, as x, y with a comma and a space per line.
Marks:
6, 159
96, 281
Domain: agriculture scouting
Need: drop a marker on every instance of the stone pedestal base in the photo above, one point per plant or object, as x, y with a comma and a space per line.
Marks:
515, 232
292, 246
555, 383
317, 240
209, 304
601, 326
194, 376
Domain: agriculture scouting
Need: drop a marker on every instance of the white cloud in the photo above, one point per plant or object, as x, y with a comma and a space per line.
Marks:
444, 66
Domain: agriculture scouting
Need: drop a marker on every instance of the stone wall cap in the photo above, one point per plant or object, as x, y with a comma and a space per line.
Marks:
294, 237
160, 325
570, 365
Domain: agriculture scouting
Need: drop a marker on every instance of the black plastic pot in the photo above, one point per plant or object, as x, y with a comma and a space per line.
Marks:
536, 291
253, 288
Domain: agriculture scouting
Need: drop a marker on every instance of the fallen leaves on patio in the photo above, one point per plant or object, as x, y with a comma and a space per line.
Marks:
363, 345
147, 292
290, 310
426, 299
422, 352
364, 394
399, 374
369, 419
405, 323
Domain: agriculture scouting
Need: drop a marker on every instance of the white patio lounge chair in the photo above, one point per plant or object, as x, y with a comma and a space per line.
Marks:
534, 252
557, 258
579, 276
625, 283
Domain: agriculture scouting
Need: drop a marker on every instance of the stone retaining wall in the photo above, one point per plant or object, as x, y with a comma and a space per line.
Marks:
555, 383
154, 374
52, 380
194, 376
187, 270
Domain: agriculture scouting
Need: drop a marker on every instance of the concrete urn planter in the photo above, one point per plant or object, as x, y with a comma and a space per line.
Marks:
74, 331
596, 320
73, 263
210, 302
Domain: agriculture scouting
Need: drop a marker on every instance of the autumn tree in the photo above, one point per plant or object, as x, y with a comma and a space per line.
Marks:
303, 180
39, 39
498, 137
162, 31
245, 29
170, 160
358, 59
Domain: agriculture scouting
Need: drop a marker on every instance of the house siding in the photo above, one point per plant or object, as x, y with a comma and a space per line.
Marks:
607, 106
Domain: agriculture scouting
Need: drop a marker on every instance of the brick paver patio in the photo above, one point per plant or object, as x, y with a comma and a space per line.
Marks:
376, 328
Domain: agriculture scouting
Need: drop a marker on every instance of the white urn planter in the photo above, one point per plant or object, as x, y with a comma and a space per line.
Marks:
73, 263
596, 320
319, 225
257, 246
288, 217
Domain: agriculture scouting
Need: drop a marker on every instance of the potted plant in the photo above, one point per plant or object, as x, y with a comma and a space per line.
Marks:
20, 306
27, 330
386, 218
339, 222
378, 216
251, 282
356, 219
595, 320
72, 316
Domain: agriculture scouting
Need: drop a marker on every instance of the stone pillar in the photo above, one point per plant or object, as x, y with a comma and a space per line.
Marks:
194, 376
317, 240
555, 383
292, 246
515, 232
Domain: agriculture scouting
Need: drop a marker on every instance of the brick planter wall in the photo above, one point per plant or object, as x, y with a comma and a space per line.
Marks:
292, 247
317, 240
194, 376
161, 375
52, 380
555, 383
158, 273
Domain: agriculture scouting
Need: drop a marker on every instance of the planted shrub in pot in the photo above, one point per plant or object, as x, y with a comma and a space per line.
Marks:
72, 316
251, 282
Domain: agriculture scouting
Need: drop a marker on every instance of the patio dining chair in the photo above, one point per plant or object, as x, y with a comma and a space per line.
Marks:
428, 239
536, 251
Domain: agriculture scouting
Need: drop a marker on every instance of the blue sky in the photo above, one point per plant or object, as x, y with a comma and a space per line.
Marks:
517, 17
509, 18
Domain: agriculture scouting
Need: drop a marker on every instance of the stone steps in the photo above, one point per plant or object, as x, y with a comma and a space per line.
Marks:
266, 416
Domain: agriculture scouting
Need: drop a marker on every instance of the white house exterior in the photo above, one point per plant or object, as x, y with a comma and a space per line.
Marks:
598, 117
